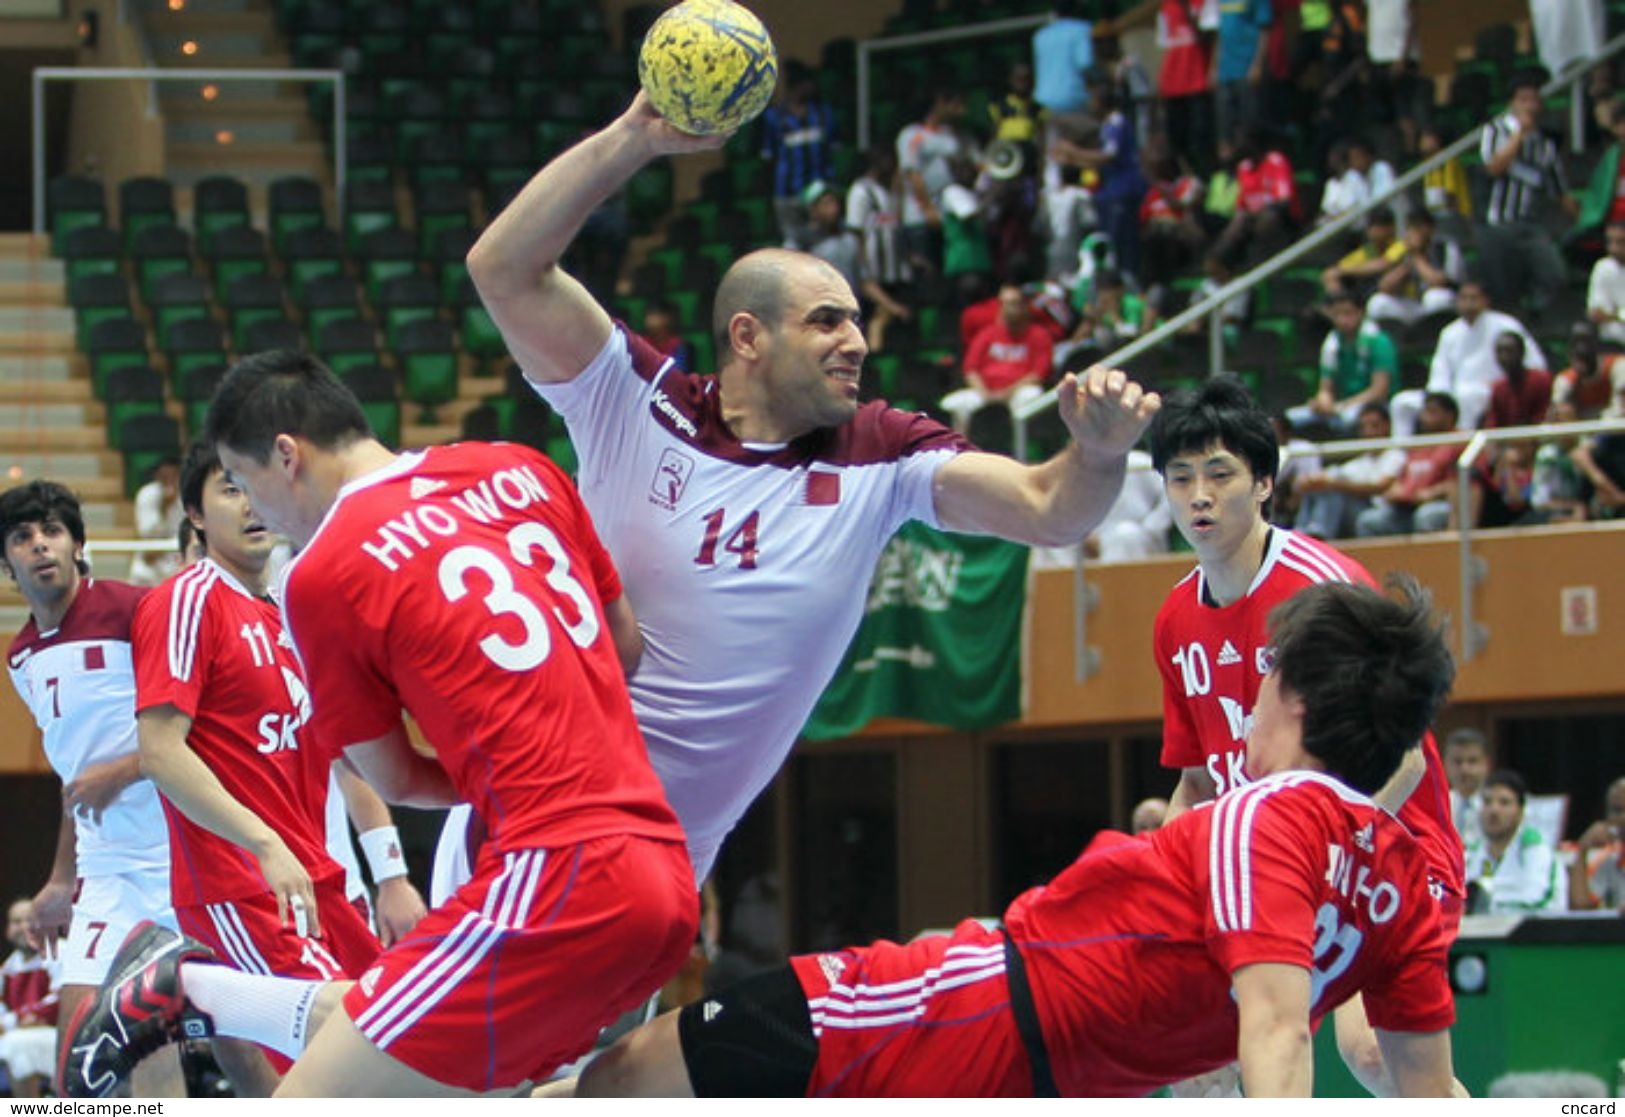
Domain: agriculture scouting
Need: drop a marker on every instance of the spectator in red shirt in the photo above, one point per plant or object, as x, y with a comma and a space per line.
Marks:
1520, 398
1587, 384
1007, 362
1420, 499
1182, 81
1171, 236
1266, 196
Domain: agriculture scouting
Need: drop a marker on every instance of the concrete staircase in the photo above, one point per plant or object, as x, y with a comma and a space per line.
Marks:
256, 131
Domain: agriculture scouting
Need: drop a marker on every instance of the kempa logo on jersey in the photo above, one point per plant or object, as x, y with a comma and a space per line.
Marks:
1228, 655
423, 486
663, 404
670, 479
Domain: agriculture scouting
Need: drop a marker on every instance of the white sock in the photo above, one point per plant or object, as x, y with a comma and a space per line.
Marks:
271, 1011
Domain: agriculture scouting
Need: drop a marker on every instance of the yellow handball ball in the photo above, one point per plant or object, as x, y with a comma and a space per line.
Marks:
708, 66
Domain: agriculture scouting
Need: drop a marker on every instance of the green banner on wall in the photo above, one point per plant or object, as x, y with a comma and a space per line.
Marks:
940, 640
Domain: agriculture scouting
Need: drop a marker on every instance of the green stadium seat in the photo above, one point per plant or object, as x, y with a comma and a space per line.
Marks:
115, 343
311, 254
218, 202
193, 344
159, 250
386, 254
130, 391
144, 202
379, 395
146, 440
72, 202
328, 299
426, 353
91, 250
233, 253
98, 298
175, 299
368, 208
195, 390
405, 299
251, 299
295, 203
347, 345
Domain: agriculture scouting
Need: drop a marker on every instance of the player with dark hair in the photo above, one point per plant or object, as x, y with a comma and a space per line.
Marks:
1217, 454
71, 664
223, 715
464, 583
1228, 931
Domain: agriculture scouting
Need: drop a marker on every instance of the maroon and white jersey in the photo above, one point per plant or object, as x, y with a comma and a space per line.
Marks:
1131, 952
746, 563
205, 644
464, 585
1213, 657
77, 680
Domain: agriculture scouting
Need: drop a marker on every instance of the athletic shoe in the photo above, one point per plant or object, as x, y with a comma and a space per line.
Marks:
136, 1011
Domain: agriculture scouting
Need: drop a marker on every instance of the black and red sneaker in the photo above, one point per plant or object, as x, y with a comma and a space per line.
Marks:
136, 1011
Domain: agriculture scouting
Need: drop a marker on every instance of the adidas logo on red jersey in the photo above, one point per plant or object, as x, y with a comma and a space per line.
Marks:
1228, 655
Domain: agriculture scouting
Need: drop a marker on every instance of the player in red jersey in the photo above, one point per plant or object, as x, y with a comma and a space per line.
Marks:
464, 584
1227, 932
222, 714
1217, 454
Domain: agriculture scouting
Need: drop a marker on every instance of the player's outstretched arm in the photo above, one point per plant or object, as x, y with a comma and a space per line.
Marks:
398, 773
1273, 1039
551, 323
168, 761
1061, 501
1420, 1063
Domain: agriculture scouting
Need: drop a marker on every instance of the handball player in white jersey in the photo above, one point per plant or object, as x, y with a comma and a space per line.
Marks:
746, 510
71, 664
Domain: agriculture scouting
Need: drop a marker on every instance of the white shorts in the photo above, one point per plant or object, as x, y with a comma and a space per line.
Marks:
105, 909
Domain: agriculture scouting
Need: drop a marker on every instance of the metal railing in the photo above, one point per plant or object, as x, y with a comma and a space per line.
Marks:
1472, 571
871, 47
1212, 306
44, 74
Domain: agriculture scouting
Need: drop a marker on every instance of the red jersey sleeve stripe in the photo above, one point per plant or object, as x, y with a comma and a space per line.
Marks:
1230, 858
1304, 558
186, 618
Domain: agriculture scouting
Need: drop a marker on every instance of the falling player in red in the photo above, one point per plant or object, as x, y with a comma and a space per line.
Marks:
223, 713
1217, 453
465, 584
1226, 933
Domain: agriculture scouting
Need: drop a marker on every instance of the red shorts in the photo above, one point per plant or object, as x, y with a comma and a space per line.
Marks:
923, 1019
247, 935
518, 972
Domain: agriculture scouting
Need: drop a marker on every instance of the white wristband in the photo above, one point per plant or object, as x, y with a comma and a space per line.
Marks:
383, 849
